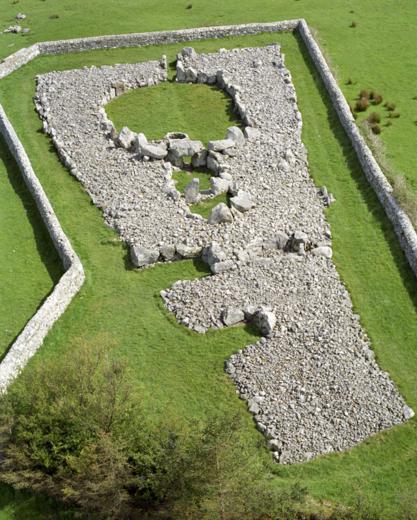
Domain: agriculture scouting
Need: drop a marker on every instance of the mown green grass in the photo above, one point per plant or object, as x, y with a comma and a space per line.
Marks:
174, 107
182, 178
182, 372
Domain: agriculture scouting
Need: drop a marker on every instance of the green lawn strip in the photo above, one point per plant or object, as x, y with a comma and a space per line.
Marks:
29, 264
204, 207
182, 372
175, 107
183, 178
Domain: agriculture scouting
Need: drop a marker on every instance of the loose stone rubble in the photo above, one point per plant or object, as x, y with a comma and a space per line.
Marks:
311, 381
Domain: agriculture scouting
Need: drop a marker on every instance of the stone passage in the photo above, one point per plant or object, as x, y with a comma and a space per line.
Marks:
311, 382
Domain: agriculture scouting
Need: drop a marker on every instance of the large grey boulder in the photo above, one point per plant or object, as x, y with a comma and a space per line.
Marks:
232, 315
140, 140
235, 134
142, 256
191, 75
184, 147
219, 185
180, 72
126, 138
214, 161
325, 251
220, 145
220, 214
167, 252
299, 241
192, 191
213, 253
199, 159
189, 52
252, 134
265, 320
188, 251
242, 201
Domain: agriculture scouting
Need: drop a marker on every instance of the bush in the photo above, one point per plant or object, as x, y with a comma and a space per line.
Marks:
364, 94
362, 104
374, 118
389, 106
375, 98
77, 432
394, 115
376, 129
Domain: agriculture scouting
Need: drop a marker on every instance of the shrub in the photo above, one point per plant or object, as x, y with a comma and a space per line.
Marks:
373, 118
364, 94
376, 129
362, 104
375, 97
394, 115
353, 24
389, 106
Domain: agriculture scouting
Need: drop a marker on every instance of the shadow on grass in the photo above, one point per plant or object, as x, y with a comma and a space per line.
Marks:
44, 245
365, 190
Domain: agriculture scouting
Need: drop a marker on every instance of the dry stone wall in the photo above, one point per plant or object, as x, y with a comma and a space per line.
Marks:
32, 336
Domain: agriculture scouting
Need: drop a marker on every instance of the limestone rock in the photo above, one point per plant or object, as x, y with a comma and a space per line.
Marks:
242, 201
222, 267
232, 315
192, 191
189, 52
168, 252
325, 251
235, 134
265, 320
180, 72
188, 251
142, 256
252, 134
299, 240
191, 75
213, 253
153, 151
220, 145
126, 138
199, 159
220, 214
219, 185
185, 147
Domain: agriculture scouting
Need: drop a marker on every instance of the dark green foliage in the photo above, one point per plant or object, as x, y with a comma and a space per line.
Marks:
376, 129
394, 115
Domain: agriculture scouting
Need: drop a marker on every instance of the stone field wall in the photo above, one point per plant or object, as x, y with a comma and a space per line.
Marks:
32, 336
35, 331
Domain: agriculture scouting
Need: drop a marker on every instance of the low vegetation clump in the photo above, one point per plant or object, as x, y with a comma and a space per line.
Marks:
76, 432
362, 104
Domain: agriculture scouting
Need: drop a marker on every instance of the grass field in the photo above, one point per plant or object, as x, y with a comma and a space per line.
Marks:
181, 371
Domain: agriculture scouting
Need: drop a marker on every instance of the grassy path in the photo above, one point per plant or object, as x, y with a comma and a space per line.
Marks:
181, 372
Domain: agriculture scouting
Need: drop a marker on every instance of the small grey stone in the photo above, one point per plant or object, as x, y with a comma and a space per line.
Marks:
153, 151
189, 52
192, 191
184, 147
408, 413
20, 16
191, 75
222, 267
199, 159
